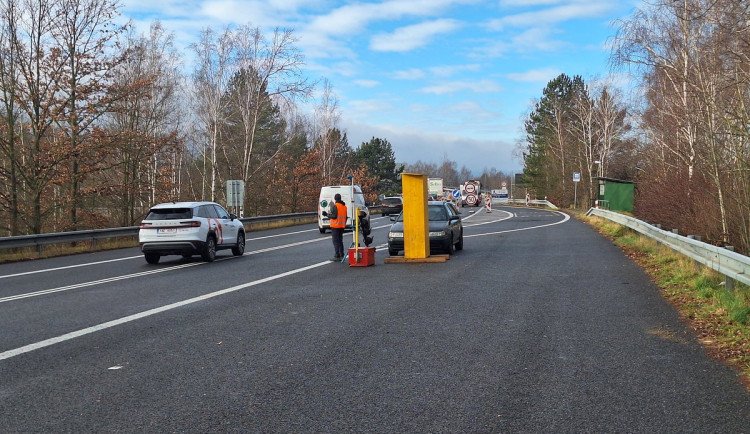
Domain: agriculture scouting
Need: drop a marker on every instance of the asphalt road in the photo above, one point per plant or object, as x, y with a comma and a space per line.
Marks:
538, 325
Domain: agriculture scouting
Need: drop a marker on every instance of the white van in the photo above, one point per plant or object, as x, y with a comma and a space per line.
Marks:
326, 199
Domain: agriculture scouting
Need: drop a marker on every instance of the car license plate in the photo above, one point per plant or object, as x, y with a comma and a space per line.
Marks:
166, 231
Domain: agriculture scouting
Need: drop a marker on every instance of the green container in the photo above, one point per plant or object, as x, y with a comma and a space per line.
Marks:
616, 194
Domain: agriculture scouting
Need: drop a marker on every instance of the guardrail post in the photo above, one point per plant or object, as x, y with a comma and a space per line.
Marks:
728, 281
696, 263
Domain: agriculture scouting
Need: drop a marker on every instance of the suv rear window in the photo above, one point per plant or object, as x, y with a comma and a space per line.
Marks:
392, 201
170, 214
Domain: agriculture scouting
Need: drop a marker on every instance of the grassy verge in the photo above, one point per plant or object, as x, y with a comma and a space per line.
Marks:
63, 249
719, 317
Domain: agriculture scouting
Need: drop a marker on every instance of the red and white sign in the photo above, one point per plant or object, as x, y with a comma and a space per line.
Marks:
471, 199
470, 188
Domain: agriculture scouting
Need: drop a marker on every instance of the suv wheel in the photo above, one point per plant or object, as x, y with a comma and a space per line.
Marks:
151, 257
209, 251
239, 249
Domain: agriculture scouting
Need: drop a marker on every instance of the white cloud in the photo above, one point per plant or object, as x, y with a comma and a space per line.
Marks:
294, 5
224, 12
361, 108
536, 39
435, 71
410, 145
528, 3
409, 74
535, 75
411, 37
576, 10
451, 70
345, 20
366, 83
482, 86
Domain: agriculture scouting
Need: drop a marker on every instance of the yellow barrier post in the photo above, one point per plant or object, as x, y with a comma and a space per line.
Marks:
416, 225
356, 228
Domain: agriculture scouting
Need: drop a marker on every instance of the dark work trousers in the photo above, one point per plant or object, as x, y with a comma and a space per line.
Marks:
337, 235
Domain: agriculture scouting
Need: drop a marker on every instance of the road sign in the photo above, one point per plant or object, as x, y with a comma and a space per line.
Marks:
235, 192
456, 194
576, 176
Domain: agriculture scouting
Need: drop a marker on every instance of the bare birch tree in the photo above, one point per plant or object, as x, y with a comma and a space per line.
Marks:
210, 80
327, 118
271, 71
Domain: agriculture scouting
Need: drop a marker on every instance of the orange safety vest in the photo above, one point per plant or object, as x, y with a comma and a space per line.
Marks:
340, 221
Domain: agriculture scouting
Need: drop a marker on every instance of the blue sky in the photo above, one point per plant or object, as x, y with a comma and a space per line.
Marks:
438, 79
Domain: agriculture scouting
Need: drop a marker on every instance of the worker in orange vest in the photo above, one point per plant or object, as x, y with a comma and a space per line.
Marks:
337, 215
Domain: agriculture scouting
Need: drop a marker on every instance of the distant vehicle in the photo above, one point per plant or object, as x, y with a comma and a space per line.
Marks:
446, 231
391, 205
190, 228
471, 193
435, 188
356, 200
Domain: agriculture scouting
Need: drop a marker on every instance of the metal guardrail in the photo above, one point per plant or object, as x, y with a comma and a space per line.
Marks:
39, 241
132, 231
731, 264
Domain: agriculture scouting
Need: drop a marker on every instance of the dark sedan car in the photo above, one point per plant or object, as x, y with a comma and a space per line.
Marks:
446, 230
391, 205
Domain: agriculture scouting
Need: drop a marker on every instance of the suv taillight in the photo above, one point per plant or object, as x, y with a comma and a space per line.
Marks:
145, 225
191, 224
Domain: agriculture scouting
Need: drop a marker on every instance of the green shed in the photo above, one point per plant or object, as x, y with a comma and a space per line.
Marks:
616, 194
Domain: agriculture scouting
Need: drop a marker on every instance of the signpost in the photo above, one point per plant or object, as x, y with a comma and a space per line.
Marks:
457, 197
236, 195
576, 180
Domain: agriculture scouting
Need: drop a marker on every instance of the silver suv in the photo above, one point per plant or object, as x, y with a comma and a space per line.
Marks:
190, 228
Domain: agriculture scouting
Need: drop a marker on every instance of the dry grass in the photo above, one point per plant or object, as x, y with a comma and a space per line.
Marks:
64, 249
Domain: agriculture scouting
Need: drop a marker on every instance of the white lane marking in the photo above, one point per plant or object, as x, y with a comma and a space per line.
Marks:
281, 235
567, 217
130, 318
69, 267
95, 282
302, 232
492, 221
26, 273
143, 273
284, 246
